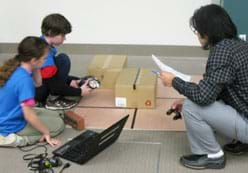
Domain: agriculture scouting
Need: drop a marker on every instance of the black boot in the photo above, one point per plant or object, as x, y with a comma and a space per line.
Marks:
236, 147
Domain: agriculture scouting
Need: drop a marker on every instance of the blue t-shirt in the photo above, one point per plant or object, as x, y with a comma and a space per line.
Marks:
50, 56
18, 88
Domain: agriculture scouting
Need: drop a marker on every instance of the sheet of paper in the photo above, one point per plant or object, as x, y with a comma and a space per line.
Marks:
167, 68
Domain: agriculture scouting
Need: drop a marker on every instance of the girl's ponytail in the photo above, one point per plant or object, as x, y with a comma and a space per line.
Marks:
7, 69
30, 47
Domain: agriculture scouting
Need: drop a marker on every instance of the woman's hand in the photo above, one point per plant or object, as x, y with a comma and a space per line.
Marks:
51, 141
177, 105
166, 78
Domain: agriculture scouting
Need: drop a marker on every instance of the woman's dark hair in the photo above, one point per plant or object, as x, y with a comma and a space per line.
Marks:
55, 24
214, 22
30, 47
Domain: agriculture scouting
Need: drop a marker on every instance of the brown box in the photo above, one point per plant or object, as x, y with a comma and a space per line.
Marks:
136, 88
74, 120
107, 68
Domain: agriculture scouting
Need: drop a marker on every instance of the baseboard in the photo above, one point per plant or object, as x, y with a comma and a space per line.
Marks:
137, 50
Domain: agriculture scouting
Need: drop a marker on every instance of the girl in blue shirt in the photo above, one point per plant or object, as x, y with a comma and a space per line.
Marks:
20, 124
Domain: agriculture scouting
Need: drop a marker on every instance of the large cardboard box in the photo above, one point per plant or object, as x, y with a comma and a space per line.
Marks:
136, 88
107, 68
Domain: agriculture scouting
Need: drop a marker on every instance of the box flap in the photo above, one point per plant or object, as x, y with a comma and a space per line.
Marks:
127, 76
108, 62
146, 77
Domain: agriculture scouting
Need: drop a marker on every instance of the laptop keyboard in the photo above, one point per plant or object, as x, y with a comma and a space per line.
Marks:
78, 148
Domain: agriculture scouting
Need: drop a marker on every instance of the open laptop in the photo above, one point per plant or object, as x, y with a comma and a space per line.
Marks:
89, 143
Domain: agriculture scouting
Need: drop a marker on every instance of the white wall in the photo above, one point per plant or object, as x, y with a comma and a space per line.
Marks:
145, 22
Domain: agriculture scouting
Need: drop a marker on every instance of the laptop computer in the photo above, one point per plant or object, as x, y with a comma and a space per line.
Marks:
89, 143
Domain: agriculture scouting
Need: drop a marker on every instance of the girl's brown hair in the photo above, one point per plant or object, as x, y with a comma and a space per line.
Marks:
30, 47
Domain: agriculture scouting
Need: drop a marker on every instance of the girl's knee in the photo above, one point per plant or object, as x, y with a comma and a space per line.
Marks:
58, 127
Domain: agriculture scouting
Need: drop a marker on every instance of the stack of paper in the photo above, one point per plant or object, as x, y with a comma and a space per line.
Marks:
164, 67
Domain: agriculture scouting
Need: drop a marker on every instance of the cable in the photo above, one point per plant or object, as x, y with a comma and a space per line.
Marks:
40, 162
67, 165
27, 148
31, 156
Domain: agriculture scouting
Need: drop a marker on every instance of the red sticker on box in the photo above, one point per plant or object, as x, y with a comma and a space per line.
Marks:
148, 103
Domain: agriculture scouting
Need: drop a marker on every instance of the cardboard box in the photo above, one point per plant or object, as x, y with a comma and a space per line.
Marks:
107, 68
136, 88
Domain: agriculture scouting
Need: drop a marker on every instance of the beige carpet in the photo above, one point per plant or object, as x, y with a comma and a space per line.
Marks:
136, 151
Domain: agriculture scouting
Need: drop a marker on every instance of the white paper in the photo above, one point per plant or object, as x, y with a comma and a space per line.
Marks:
120, 101
164, 67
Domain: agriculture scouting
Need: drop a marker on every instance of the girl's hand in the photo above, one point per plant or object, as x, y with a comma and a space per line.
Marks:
51, 141
37, 77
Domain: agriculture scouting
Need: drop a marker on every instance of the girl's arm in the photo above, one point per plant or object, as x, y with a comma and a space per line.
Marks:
37, 77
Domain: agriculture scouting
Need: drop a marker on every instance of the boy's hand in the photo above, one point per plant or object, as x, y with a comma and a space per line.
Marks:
85, 90
74, 83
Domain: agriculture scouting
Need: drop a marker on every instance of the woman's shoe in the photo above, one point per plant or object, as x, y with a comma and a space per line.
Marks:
203, 162
236, 147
